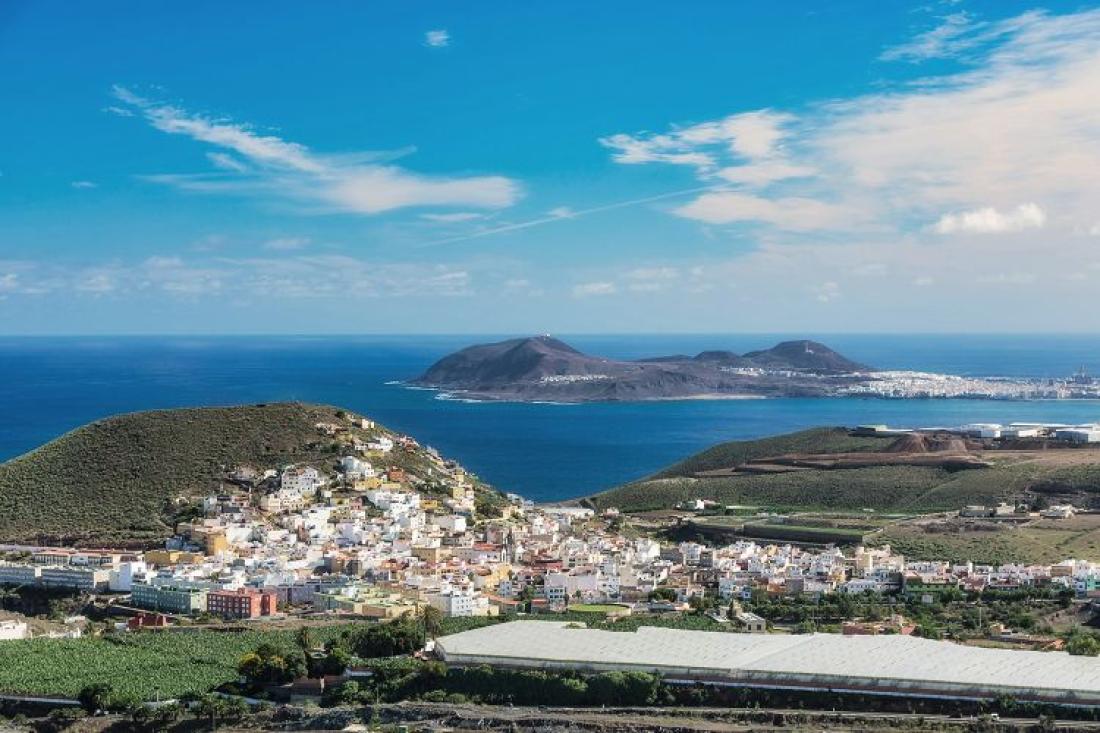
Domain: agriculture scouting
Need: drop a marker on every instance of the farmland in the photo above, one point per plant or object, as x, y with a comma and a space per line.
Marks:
141, 665
756, 473
1045, 541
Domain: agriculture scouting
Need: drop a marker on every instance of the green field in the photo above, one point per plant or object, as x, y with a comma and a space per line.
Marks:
142, 665
881, 488
816, 440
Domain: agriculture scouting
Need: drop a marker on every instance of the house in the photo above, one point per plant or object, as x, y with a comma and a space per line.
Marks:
147, 621
1058, 511
751, 623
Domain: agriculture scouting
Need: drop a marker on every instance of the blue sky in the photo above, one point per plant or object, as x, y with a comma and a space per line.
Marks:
395, 167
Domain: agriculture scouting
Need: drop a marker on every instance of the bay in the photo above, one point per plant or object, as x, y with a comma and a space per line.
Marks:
49, 385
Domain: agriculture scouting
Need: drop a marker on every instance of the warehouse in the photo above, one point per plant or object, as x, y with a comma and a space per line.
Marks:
886, 665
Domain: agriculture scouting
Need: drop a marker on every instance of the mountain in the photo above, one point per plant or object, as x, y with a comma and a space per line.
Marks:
545, 368
507, 362
806, 355
127, 479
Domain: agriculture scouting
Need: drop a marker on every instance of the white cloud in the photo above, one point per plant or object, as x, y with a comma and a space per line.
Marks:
268, 166
827, 292
287, 244
651, 279
1007, 278
9, 283
584, 290
97, 283
453, 217
83, 184
988, 220
562, 212
226, 162
437, 39
749, 136
1018, 124
792, 213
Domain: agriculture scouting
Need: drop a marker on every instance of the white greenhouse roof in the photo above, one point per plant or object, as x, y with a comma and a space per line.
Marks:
886, 662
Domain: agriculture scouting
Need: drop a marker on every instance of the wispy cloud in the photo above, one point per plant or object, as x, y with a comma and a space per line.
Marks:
453, 217
563, 213
1017, 125
83, 184
288, 276
953, 34
267, 166
287, 244
437, 38
586, 290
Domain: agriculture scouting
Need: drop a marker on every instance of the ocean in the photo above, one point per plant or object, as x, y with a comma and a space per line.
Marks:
546, 452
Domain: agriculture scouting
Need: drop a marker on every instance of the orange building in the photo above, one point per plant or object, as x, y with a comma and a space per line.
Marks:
242, 603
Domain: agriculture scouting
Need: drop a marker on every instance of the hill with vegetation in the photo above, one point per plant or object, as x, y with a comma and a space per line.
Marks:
768, 473
126, 479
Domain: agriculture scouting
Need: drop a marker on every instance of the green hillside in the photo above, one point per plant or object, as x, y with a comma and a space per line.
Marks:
116, 479
815, 440
898, 488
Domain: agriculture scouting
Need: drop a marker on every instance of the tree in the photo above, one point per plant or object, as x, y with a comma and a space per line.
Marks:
268, 665
431, 618
157, 718
388, 639
95, 697
304, 638
663, 594
1083, 645
345, 694
335, 662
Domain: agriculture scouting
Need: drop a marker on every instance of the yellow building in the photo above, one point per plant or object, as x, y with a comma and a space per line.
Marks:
216, 542
431, 554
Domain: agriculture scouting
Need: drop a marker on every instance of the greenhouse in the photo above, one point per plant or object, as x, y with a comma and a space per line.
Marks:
887, 665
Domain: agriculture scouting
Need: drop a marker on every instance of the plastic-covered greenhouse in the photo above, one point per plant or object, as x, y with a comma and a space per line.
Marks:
888, 664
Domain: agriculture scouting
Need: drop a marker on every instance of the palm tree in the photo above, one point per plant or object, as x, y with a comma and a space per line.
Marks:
431, 620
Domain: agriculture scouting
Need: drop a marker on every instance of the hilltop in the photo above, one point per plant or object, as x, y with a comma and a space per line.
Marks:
836, 469
545, 368
127, 478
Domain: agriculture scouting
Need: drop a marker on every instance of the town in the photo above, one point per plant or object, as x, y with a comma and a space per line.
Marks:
376, 538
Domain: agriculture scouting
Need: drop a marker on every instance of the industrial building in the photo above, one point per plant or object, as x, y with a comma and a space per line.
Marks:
893, 665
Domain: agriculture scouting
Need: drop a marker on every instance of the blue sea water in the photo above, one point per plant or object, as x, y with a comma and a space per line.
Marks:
545, 452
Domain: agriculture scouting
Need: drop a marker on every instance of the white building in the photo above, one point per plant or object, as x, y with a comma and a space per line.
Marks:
356, 469
122, 578
14, 630
302, 479
453, 523
460, 602
381, 444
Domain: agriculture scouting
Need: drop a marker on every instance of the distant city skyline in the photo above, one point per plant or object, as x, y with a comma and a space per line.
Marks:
567, 168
